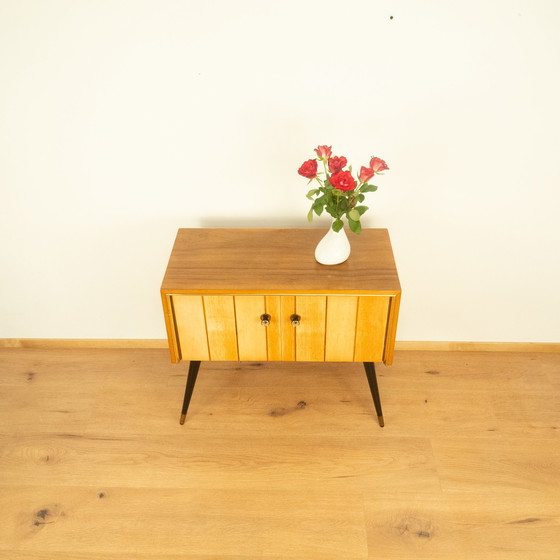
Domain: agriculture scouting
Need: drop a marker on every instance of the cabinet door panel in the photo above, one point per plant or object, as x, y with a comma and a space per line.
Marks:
371, 328
288, 333
310, 334
341, 328
251, 335
220, 326
191, 327
274, 330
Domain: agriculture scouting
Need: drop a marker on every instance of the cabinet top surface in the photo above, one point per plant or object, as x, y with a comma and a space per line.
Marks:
247, 260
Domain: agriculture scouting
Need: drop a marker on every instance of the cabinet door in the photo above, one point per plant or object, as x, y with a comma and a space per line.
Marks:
190, 327
356, 328
251, 334
310, 333
371, 328
220, 326
341, 328
331, 328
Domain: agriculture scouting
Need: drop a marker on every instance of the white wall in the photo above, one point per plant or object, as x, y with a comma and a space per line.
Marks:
121, 121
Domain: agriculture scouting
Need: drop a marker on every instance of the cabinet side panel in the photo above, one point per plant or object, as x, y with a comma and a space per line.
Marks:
220, 327
274, 331
191, 327
392, 330
170, 327
371, 328
341, 328
310, 334
251, 335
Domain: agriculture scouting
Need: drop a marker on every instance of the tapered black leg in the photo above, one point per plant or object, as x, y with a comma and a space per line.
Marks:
191, 380
372, 380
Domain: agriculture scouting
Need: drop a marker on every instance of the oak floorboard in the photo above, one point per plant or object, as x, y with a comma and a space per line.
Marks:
192, 521
491, 526
278, 460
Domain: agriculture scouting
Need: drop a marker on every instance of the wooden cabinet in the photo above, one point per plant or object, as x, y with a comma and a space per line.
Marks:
259, 295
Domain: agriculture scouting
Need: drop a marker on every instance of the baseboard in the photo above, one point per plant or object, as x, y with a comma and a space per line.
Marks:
468, 346
82, 343
433, 346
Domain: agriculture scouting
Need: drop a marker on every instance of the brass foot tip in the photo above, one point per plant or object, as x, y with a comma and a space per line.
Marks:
182, 421
381, 421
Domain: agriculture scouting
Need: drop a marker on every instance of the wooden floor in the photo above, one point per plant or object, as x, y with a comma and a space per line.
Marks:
278, 461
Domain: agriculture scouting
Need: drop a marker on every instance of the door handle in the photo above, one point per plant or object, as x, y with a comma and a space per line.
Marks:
265, 319
295, 319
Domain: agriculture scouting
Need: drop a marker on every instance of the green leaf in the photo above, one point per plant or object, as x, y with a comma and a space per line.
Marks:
361, 197
355, 225
361, 209
337, 225
354, 215
312, 193
310, 215
368, 188
317, 207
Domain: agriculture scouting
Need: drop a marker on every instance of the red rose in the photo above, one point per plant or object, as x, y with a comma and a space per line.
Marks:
308, 169
376, 165
336, 164
343, 181
366, 174
323, 151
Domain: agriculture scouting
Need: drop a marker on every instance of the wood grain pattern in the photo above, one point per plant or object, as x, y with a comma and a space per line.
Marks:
341, 328
288, 308
276, 261
170, 327
192, 341
216, 264
310, 334
93, 464
158, 343
390, 338
278, 460
371, 328
274, 330
221, 327
251, 335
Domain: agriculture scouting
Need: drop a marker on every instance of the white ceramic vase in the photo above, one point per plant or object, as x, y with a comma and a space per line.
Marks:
334, 248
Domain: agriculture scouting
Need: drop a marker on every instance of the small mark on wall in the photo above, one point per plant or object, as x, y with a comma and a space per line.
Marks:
432, 372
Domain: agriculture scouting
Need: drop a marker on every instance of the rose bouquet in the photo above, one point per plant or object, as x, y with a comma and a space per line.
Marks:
339, 193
